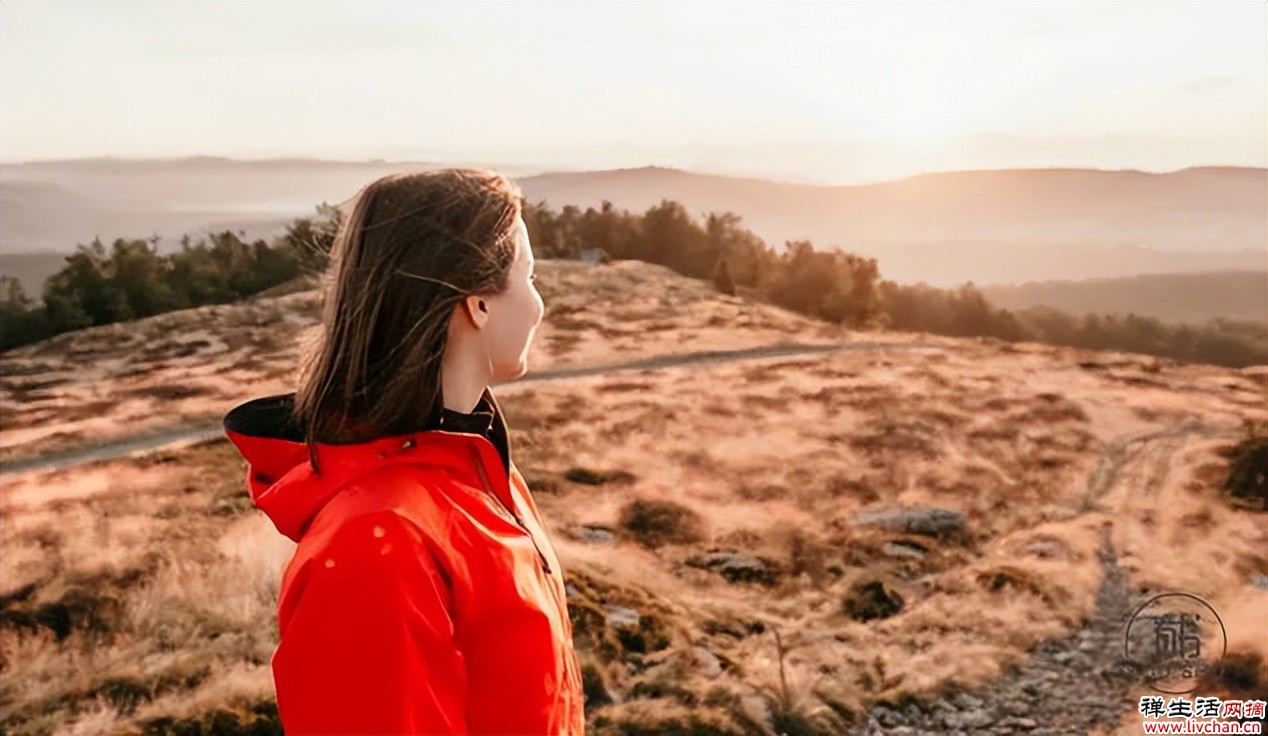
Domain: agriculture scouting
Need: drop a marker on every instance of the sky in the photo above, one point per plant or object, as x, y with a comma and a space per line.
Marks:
828, 92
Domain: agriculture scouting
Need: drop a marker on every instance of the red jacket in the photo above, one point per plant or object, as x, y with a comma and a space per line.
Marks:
414, 602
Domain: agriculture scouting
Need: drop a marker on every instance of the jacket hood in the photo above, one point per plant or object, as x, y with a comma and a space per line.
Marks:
282, 481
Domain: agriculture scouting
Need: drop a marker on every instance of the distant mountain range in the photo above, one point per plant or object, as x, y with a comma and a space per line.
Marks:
1184, 297
1000, 227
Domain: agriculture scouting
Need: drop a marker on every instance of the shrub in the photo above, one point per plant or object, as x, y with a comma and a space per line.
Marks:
654, 522
871, 599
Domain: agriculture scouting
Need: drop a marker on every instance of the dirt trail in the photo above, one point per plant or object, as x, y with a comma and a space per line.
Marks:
1123, 449
1077, 683
1068, 685
194, 434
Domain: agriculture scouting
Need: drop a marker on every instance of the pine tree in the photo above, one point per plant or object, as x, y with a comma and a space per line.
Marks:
722, 278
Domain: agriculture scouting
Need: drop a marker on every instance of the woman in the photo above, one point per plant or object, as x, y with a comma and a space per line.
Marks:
424, 596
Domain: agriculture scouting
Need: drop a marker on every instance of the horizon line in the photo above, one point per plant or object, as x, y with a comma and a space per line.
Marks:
547, 169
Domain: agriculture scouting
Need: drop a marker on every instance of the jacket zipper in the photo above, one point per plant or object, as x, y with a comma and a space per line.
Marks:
484, 480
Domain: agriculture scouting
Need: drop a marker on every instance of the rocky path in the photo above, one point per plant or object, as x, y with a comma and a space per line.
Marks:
1078, 682
1067, 686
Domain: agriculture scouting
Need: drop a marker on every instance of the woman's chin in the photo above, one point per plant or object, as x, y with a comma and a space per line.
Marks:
512, 373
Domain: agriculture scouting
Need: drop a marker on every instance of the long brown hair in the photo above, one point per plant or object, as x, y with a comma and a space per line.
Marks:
413, 247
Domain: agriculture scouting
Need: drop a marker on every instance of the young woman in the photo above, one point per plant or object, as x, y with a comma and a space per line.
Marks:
424, 596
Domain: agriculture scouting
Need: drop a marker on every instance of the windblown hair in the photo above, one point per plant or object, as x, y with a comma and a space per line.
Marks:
413, 247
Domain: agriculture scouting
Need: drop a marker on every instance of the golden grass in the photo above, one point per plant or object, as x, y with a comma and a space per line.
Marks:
166, 614
167, 578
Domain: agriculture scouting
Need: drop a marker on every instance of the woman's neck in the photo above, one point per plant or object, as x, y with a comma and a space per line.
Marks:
463, 376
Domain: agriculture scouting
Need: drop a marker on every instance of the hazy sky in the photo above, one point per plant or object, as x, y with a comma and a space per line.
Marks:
833, 92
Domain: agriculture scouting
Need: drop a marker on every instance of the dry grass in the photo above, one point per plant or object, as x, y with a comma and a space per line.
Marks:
114, 614
143, 591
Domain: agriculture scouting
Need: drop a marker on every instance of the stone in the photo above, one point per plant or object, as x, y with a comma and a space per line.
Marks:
1045, 549
929, 521
621, 617
887, 717
594, 534
971, 720
909, 550
737, 567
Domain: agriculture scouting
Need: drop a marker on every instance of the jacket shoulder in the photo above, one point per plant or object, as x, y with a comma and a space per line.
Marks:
372, 533
411, 493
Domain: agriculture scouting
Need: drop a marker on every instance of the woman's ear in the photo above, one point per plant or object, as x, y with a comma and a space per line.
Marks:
477, 310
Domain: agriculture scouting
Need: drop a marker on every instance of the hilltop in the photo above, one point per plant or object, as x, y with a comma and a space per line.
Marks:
912, 514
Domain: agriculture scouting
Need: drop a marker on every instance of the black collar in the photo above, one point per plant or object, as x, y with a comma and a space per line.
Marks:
479, 420
273, 417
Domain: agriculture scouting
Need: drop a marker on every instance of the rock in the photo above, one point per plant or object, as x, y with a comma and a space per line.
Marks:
929, 521
887, 717
909, 550
593, 533
737, 567
621, 617
674, 665
1019, 724
970, 720
1044, 549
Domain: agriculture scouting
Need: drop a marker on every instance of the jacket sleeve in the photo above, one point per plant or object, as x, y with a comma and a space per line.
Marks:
367, 645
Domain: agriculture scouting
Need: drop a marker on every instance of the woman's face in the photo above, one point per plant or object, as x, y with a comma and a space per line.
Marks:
514, 314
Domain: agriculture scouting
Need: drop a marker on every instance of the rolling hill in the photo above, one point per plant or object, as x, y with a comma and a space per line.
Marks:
1004, 226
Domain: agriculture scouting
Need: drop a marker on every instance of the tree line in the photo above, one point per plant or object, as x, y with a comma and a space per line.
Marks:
131, 280
847, 289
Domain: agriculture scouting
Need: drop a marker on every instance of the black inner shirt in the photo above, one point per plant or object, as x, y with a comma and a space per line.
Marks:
478, 421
